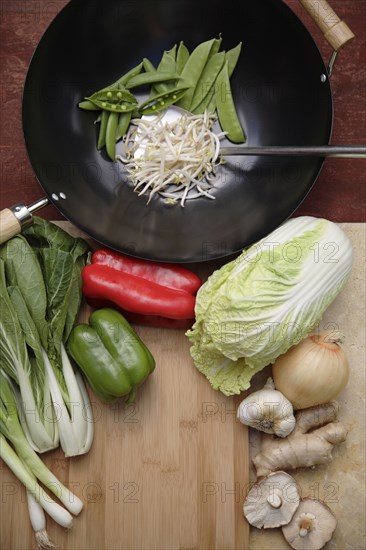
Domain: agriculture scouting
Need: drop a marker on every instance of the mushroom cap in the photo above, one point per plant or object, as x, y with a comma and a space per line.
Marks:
272, 501
311, 527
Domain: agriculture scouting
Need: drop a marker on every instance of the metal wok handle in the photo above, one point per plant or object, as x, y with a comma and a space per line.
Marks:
18, 217
335, 31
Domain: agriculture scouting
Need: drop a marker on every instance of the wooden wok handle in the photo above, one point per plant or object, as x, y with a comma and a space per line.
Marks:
334, 29
9, 225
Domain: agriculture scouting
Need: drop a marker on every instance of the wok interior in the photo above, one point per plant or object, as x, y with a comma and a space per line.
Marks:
280, 97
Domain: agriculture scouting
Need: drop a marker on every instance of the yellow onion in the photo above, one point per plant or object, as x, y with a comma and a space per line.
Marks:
314, 371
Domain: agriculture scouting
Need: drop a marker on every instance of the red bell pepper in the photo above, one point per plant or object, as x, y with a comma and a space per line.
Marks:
136, 294
168, 275
139, 319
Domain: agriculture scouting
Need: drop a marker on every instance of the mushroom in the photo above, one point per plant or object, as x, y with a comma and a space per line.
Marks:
272, 501
311, 527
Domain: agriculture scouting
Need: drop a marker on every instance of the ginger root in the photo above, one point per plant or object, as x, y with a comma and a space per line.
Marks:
305, 446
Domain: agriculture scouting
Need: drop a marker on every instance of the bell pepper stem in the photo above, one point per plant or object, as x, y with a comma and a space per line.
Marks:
132, 396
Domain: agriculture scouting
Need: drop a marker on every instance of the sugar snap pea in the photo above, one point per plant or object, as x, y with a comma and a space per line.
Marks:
127, 76
151, 78
122, 81
195, 81
193, 69
228, 117
207, 80
114, 100
113, 95
163, 100
124, 107
148, 65
159, 87
102, 129
88, 105
124, 120
182, 57
111, 133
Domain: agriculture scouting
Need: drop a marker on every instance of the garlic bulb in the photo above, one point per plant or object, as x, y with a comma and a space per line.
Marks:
267, 410
314, 371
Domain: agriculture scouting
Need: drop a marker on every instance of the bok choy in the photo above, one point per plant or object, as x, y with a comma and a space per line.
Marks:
268, 299
40, 293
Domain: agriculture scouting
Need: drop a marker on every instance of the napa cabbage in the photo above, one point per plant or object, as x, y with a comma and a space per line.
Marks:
268, 299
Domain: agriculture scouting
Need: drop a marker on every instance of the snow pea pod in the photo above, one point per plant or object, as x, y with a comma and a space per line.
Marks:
232, 57
216, 46
207, 81
172, 52
193, 69
111, 134
167, 64
151, 78
161, 101
226, 108
211, 107
182, 57
208, 104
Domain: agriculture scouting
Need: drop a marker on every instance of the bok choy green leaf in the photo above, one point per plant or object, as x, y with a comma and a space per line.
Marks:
41, 291
36, 402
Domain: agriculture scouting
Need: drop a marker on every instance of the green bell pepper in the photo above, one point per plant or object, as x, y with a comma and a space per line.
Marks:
111, 355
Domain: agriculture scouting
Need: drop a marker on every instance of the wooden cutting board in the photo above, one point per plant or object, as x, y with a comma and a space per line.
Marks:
168, 472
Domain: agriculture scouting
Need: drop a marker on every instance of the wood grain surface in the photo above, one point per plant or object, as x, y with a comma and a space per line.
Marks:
339, 193
170, 471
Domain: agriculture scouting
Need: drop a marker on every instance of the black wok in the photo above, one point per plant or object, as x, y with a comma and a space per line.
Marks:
280, 87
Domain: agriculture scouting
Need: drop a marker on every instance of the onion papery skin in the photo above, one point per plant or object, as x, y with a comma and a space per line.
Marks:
313, 372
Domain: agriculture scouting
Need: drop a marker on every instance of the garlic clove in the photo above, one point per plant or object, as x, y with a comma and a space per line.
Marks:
285, 426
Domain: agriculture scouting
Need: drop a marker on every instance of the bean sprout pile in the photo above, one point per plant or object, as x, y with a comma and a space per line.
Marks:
176, 160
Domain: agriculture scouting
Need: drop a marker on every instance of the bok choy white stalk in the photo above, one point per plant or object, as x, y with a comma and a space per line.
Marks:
268, 299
